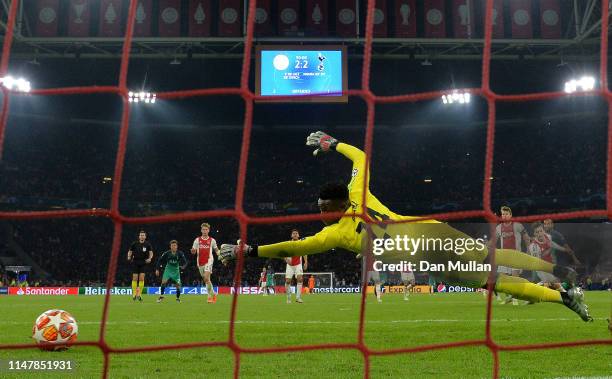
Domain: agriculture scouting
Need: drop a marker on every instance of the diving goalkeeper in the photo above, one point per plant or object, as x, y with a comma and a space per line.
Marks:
353, 233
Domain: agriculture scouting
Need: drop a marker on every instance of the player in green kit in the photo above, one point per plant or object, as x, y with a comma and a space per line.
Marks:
270, 282
174, 260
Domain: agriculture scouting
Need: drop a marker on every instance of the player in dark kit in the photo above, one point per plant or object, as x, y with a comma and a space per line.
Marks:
175, 261
139, 255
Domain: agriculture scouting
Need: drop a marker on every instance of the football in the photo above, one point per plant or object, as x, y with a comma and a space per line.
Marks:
55, 329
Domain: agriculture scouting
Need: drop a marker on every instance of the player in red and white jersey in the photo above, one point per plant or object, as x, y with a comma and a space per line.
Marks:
263, 282
510, 234
541, 246
203, 246
294, 268
408, 281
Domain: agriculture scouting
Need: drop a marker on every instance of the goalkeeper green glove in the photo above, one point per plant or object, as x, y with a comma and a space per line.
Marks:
228, 252
322, 141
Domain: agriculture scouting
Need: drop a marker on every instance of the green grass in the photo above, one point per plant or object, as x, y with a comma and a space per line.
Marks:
269, 321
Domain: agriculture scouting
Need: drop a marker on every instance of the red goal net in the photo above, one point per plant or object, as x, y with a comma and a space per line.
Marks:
245, 220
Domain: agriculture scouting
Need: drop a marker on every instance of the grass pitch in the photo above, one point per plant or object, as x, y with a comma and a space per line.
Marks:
325, 318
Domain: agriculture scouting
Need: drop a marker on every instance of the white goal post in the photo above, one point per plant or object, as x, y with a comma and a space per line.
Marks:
325, 279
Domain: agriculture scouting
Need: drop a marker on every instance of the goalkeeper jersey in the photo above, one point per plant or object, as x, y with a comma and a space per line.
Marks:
350, 232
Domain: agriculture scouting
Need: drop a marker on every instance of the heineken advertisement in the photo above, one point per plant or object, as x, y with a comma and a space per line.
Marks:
102, 291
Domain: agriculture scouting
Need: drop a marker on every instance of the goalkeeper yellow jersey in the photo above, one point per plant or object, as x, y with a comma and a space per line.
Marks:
350, 232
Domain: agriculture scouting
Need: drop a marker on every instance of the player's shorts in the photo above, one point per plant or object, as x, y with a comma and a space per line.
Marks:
504, 270
407, 277
171, 276
546, 277
293, 271
205, 268
373, 275
138, 267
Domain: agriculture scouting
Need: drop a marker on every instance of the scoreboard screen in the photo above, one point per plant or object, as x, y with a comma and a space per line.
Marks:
301, 70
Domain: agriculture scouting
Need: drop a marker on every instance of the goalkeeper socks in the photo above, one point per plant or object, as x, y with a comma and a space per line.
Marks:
141, 287
298, 291
519, 260
525, 290
134, 287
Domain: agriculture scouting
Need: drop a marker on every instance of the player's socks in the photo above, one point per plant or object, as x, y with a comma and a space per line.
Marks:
298, 291
288, 292
210, 290
378, 291
519, 260
141, 288
134, 287
163, 290
178, 293
525, 290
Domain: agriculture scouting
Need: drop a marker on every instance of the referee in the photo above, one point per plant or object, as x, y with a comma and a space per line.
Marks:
139, 255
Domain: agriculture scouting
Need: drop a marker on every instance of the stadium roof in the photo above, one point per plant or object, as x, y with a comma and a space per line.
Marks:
580, 42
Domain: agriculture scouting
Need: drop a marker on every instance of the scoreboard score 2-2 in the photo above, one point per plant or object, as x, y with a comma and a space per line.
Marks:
301, 71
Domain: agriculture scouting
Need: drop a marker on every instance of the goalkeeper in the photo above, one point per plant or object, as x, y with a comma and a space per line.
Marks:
351, 232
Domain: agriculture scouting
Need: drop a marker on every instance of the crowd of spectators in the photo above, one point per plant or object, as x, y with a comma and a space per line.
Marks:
413, 170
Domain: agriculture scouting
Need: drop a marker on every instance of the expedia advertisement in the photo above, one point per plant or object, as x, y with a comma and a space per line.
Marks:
400, 289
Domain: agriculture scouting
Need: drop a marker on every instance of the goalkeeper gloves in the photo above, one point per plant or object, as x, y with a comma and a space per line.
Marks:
228, 252
322, 141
